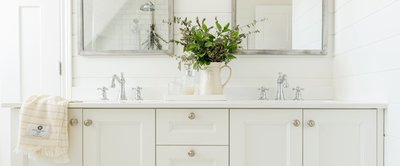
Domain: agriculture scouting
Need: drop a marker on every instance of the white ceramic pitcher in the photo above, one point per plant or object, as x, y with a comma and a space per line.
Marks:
210, 79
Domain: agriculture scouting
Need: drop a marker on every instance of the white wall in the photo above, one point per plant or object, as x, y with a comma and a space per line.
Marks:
314, 73
367, 59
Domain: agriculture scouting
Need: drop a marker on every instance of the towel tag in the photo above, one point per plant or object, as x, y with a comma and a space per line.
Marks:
38, 130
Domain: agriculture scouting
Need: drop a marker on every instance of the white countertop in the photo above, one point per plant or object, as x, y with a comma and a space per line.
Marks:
219, 104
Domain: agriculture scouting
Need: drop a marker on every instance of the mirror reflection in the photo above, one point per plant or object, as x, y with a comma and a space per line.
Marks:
288, 24
125, 25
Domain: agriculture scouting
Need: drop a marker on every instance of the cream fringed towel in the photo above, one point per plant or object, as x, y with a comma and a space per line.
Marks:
43, 128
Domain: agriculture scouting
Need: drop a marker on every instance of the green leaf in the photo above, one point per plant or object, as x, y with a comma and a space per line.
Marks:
219, 27
235, 34
202, 55
226, 27
204, 26
231, 57
192, 47
209, 44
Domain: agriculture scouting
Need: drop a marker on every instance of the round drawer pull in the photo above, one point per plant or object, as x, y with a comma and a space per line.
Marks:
192, 116
191, 153
73, 122
88, 122
311, 123
296, 123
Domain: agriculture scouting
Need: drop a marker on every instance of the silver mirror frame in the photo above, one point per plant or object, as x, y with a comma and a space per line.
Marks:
324, 46
83, 52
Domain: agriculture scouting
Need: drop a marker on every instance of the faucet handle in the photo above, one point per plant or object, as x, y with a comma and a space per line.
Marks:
103, 92
263, 89
297, 90
138, 95
263, 93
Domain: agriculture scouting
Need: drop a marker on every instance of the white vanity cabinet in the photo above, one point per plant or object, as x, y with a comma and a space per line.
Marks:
227, 134
119, 137
309, 137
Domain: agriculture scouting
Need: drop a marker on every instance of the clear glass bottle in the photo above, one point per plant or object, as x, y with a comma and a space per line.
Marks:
188, 80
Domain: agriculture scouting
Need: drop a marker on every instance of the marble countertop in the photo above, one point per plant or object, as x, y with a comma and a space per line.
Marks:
155, 104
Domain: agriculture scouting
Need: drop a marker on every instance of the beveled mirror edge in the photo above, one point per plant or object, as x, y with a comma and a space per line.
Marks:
80, 38
324, 46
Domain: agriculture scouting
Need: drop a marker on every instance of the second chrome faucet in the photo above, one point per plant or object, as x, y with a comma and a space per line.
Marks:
282, 83
121, 81
122, 91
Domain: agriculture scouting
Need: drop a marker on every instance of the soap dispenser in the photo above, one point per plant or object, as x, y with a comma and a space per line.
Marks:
188, 80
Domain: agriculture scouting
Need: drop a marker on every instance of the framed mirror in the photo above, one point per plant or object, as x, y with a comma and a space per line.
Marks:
125, 27
286, 27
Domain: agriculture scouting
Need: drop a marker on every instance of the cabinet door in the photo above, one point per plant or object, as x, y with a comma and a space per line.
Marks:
192, 156
119, 137
75, 143
261, 137
340, 138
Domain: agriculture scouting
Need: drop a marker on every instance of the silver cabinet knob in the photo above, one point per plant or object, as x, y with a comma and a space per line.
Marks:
192, 116
311, 123
191, 153
73, 122
296, 123
88, 122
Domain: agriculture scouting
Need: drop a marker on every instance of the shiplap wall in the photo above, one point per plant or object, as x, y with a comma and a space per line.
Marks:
367, 56
314, 73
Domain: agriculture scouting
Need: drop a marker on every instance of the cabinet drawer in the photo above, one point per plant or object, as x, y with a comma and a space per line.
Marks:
192, 156
192, 126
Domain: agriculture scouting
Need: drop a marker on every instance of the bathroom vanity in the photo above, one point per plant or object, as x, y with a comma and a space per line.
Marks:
229, 133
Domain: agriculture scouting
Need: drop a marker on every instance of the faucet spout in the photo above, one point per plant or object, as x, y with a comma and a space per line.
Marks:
281, 84
121, 81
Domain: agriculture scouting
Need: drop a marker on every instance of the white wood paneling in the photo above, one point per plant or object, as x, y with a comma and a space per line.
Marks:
369, 29
366, 59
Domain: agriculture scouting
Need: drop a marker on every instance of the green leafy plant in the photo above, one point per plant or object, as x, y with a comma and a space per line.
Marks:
203, 44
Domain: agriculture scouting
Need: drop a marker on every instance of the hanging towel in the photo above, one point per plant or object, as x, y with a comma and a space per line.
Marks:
43, 128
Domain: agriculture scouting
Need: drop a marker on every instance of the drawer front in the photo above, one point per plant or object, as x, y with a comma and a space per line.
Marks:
192, 156
192, 126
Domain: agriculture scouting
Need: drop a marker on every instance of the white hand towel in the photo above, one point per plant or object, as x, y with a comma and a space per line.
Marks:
43, 128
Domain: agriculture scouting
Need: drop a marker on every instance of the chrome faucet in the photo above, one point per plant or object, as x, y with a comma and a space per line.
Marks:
281, 84
121, 80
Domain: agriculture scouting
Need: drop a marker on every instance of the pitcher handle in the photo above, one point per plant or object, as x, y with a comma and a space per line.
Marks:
229, 76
